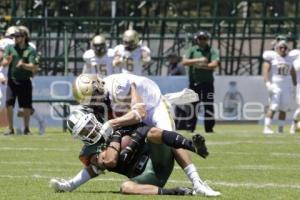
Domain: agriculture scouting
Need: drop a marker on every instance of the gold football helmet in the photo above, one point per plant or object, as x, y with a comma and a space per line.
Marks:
99, 45
130, 39
10, 31
89, 89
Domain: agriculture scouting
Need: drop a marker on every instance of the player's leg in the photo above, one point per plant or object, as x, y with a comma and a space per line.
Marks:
162, 119
175, 140
130, 187
273, 106
296, 119
10, 102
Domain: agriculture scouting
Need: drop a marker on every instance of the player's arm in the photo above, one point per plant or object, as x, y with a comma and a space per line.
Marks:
146, 57
87, 68
266, 67
110, 157
117, 59
135, 115
294, 76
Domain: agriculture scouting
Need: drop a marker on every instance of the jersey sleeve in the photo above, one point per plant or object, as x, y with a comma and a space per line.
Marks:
269, 55
215, 56
87, 56
295, 53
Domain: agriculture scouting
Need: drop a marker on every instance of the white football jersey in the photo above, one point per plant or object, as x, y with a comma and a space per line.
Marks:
295, 53
280, 67
98, 65
118, 86
133, 59
5, 42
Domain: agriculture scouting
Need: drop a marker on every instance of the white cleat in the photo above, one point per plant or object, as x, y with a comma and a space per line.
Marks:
293, 129
268, 131
204, 189
60, 185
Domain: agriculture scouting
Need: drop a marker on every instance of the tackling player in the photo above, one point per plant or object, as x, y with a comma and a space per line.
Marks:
134, 99
131, 57
148, 164
279, 74
98, 59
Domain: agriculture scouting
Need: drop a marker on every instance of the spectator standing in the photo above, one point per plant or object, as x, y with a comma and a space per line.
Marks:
175, 68
131, 56
98, 59
21, 59
202, 60
34, 112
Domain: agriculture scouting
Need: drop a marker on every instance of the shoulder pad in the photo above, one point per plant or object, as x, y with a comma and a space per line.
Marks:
269, 55
88, 54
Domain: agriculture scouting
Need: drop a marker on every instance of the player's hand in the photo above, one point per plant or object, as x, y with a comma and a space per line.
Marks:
269, 87
106, 130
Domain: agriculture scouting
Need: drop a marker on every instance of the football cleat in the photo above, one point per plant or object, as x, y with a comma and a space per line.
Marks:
199, 145
60, 185
267, 130
204, 189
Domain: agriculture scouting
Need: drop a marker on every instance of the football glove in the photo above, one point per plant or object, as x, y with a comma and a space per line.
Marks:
106, 131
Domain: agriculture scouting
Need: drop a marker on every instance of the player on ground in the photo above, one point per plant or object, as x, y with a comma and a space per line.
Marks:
135, 99
279, 76
148, 164
98, 59
131, 57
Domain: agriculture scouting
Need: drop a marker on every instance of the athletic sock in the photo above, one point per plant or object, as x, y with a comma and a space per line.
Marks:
81, 178
192, 173
175, 191
176, 140
268, 121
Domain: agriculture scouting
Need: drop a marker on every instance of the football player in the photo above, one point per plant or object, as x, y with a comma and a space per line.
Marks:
134, 99
131, 57
98, 59
295, 53
4, 42
278, 72
138, 160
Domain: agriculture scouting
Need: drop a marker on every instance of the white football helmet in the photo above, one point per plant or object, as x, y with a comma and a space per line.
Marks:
130, 39
99, 45
89, 88
84, 126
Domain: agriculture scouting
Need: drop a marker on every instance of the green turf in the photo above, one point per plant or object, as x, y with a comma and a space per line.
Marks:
243, 164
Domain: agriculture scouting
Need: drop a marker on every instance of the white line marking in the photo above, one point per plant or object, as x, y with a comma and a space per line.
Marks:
222, 183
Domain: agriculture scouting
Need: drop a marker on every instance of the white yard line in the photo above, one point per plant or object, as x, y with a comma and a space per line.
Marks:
222, 183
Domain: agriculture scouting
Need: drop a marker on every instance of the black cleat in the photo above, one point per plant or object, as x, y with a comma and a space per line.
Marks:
199, 144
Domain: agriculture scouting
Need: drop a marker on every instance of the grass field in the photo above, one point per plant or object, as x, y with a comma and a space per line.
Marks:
243, 164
